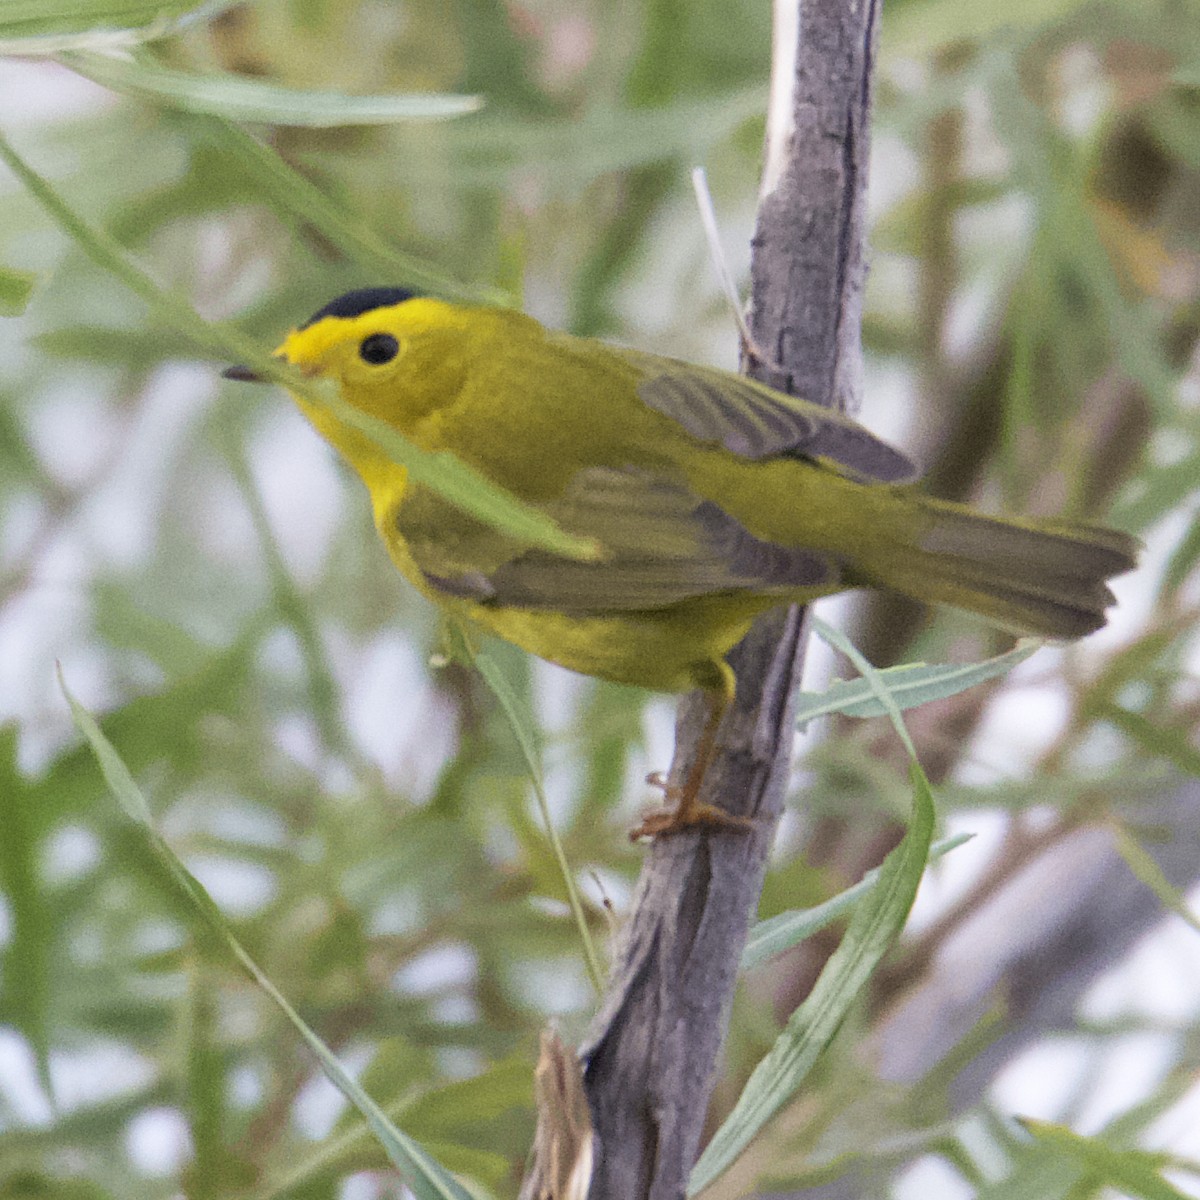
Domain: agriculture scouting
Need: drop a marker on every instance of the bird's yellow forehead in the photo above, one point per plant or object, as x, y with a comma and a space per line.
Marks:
310, 344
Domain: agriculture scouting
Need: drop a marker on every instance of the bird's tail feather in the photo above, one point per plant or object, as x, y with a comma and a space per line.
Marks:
1047, 578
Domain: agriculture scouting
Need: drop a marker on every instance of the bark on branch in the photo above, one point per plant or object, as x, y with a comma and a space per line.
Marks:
650, 1055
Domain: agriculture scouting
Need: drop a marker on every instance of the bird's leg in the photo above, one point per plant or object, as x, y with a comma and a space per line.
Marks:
683, 809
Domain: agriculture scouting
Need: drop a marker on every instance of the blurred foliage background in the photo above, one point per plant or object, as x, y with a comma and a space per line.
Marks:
209, 581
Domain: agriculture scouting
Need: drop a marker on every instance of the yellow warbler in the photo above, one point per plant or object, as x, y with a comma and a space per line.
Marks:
712, 497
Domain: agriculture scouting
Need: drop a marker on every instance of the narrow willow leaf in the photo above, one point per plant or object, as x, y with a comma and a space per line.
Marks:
98, 344
452, 478
923, 25
434, 1115
1073, 246
877, 922
1038, 1174
323, 693
214, 1165
779, 933
601, 140
108, 254
1183, 559
1150, 873
52, 26
446, 1108
522, 727
909, 686
1157, 490
1140, 779
15, 289
292, 193
422, 1173
519, 719
116, 773
488, 1167
238, 98
873, 929
1172, 744
441, 471
838, 641
1129, 1172
30, 917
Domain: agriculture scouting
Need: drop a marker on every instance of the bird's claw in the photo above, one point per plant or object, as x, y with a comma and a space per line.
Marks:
682, 817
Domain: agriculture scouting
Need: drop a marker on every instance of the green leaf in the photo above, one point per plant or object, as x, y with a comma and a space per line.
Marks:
909, 686
215, 1168
1142, 864
835, 639
441, 471
18, 462
873, 929
522, 726
25, 981
1036, 1174
922, 26
50, 26
487, 1166
1175, 745
1130, 1172
32, 1185
238, 98
15, 289
322, 689
1156, 491
102, 345
604, 138
289, 191
421, 1171
1183, 559
445, 1118
448, 475
782, 932
1069, 248
116, 774
445, 1110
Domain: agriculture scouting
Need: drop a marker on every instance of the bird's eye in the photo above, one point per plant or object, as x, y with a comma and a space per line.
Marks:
378, 349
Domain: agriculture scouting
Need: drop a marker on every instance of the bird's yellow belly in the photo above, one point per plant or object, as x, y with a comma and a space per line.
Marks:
665, 651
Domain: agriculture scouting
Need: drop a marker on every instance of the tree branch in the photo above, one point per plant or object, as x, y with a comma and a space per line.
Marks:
653, 1045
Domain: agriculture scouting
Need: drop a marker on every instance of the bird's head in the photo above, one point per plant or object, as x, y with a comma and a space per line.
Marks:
393, 354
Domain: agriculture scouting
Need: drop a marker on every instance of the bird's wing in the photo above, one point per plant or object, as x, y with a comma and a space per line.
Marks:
754, 421
661, 544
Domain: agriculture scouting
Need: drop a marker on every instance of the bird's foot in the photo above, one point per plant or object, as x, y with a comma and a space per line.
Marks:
683, 812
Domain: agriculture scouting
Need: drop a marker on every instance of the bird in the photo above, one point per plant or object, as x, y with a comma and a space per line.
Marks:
711, 498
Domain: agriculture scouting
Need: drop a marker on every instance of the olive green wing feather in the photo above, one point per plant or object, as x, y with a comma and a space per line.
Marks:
754, 421
662, 545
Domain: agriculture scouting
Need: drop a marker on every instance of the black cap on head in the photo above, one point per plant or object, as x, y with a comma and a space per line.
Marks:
361, 300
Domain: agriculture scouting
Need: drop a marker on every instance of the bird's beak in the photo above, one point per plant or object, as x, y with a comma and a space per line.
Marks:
242, 374
245, 374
